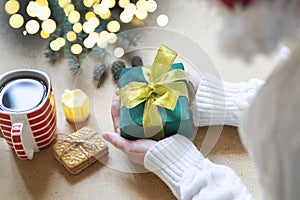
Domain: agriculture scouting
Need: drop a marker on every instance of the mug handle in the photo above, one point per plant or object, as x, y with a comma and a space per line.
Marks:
17, 138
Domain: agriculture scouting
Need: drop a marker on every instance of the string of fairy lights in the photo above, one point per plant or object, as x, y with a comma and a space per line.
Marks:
41, 22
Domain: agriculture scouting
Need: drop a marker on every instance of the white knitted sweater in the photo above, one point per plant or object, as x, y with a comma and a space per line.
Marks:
182, 167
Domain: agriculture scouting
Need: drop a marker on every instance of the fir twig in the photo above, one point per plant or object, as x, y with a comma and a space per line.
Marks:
64, 26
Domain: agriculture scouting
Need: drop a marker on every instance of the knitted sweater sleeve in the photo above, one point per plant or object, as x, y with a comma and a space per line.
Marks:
178, 162
222, 103
191, 176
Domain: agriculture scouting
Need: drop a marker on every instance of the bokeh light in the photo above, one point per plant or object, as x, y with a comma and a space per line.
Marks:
43, 12
113, 26
44, 35
32, 9
32, 26
54, 45
76, 49
74, 16
90, 21
16, 21
162, 20
119, 52
48, 26
12, 7
71, 36
77, 27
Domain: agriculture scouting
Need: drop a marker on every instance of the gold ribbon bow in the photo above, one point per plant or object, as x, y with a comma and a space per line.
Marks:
163, 88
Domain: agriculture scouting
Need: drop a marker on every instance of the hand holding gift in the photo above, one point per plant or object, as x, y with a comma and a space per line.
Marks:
155, 99
136, 149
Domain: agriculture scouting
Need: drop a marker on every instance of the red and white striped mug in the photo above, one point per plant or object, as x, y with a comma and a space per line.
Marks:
27, 111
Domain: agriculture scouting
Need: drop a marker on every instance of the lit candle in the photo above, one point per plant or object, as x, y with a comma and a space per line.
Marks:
75, 104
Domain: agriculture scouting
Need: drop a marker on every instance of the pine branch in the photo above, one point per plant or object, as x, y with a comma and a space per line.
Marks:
73, 60
49, 53
57, 13
64, 26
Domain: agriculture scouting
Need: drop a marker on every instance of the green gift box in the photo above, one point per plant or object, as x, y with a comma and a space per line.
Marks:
175, 121
155, 107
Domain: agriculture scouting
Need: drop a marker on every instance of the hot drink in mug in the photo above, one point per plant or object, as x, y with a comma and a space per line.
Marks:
27, 111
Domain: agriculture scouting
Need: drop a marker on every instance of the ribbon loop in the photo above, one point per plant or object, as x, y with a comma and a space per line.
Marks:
165, 97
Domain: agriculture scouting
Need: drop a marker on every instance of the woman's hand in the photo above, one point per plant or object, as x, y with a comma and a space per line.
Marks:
137, 149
